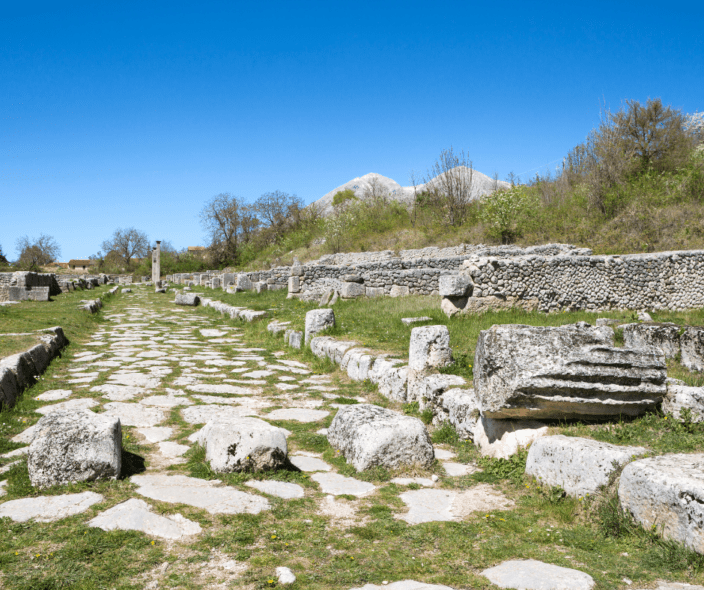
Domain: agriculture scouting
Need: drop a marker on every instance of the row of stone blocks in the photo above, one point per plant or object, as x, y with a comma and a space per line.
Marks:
241, 313
20, 371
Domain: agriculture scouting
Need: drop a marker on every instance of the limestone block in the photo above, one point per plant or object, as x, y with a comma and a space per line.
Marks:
580, 466
41, 357
352, 290
326, 296
570, 371
276, 327
260, 287
529, 574
187, 299
23, 367
393, 383
244, 444
667, 492
294, 285
243, 283
9, 387
74, 445
455, 285
692, 347
429, 348
352, 278
461, 409
399, 291
663, 337
296, 270
374, 291
371, 436
680, 397
502, 438
295, 339
427, 389
358, 363
318, 320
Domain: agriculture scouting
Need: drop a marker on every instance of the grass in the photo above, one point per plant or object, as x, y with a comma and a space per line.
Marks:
12, 344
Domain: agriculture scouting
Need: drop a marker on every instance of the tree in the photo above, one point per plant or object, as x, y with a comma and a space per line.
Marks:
34, 253
278, 211
3, 261
223, 218
448, 185
505, 212
127, 243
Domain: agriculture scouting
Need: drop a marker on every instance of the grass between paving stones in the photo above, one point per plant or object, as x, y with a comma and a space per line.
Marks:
591, 535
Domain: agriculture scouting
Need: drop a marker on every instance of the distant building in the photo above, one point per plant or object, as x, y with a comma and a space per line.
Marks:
80, 264
197, 250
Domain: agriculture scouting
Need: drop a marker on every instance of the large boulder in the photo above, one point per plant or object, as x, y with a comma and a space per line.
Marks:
191, 299
662, 337
571, 371
580, 466
667, 493
370, 436
692, 347
242, 444
74, 445
318, 320
681, 397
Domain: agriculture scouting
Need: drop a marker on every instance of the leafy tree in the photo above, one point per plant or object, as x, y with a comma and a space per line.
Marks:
127, 244
278, 212
34, 253
505, 212
3, 260
342, 197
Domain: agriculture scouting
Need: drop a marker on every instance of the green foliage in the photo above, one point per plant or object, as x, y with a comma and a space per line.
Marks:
506, 212
342, 197
511, 469
445, 434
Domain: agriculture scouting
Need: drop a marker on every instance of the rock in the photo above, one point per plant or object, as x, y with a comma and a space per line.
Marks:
335, 297
118, 393
53, 395
74, 445
9, 387
680, 397
276, 327
663, 337
399, 291
48, 508
667, 492
136, 515
134, 414
530, 574
570, 371
326, 296
428, 389
644, 316
352, 278
460, 408
429, 348
191, 299
455, 285
409, 321
285, 576
606, 322
502, 438
352, 290
280, 489
337, 485
156, 433
393, 382
318, 320
223, 388
404, 585
260, 287
294, 284
580, 466
244, 444
295, 339
309, 464
370, 436
430, 505
374, 291
458, 469
692, 347
297, 414
203, 414
201, 493
357, 362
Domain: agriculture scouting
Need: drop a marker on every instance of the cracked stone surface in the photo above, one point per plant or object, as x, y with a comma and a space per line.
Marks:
49, 508
336, 485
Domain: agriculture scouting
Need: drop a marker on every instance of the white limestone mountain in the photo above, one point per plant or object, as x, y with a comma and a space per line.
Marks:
375, 184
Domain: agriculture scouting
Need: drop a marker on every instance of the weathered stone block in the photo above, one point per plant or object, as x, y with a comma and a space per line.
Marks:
455, 285
399, 291
502, 438
680, 397
294, 285
460, 407
692, 347
352, 290
318, 320
662, 337
187, 299
429, 348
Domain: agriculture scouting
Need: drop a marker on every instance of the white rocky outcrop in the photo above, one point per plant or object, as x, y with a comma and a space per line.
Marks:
242, 444
571, 371
667, 493
370, 436
74, 445
580, 466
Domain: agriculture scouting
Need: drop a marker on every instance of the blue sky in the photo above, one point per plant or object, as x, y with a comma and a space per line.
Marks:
135, 113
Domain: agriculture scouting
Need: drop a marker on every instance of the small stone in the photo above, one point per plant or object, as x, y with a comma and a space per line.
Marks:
285, 576
530, 574
136, 515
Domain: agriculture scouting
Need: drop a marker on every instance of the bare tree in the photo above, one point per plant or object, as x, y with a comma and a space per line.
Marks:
278, 211
3, 259
221, 218
34, 253
127, 243
376, 192
449, 185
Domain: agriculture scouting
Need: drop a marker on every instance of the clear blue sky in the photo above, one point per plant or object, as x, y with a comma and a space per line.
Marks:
118, 114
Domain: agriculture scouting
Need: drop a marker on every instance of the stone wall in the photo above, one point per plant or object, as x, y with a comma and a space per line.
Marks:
664, 280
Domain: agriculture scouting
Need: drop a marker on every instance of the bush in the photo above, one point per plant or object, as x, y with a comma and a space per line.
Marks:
506, 212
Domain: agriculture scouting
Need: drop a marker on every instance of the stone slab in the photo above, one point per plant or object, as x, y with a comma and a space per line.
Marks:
280, 489
49, 508
297, 414
156, 433
72, 404
134, 414
309, 464
530, 574
336, 484
53, 395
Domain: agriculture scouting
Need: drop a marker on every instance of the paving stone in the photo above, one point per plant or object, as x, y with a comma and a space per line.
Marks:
206, 413
297, 414
136, 515
201, 493
223, 388
3, 491
134, 414
305, 463
53, 395
296, 370
119, 393
443, 454
25, 436
172, 449
280, 489
404, 585
443, 505
211, 333
152, 354
49, 508
258, 374
135, 379
223, 363
458, 469
165, 401
156, 433
421, 481
72, 404
15, 453
530, 574
336, 484
285, 386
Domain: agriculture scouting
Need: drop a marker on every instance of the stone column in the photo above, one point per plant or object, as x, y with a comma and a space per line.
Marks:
156, 265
